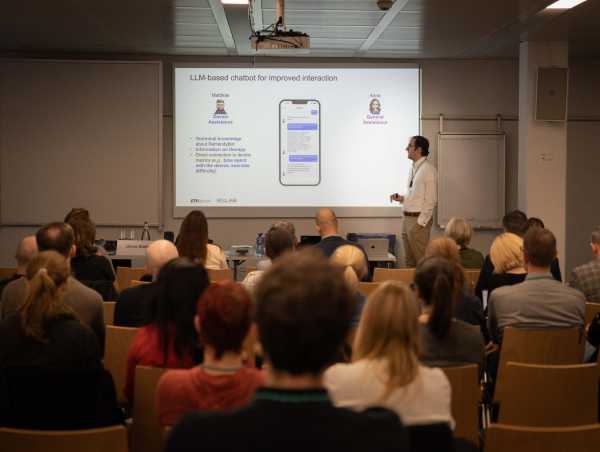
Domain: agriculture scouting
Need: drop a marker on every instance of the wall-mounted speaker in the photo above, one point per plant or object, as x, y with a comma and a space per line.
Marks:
551, 94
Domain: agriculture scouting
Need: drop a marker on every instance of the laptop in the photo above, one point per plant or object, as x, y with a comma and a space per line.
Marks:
375, 248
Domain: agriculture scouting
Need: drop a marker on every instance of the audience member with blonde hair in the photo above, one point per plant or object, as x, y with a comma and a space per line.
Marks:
461, 232
385, 370
506, 254
445, 339
352, 260
443, 247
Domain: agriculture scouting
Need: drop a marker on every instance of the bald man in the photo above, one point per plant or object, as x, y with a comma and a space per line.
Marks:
26, 250
326, 224
134, 303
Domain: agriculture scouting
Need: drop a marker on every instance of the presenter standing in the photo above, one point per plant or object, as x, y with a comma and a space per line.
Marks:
418, 202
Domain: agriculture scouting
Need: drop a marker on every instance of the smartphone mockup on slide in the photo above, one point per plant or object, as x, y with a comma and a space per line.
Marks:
299, 142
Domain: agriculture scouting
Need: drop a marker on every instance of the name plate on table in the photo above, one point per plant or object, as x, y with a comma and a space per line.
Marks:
132, 247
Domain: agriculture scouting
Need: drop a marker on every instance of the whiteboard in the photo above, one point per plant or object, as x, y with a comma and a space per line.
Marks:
471, 185
80, 134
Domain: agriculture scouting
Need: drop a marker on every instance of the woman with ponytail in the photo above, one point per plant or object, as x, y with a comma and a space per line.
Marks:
45, 331
385, 369
445, 340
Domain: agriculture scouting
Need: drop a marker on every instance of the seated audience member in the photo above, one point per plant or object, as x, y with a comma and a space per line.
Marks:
586, 277
445, 340
86, 303
90, 268
385, 369
326, 224
222, 381
45, 331
534, 222
460, 231
352, 260
303, 316
45, 340
506, 255
79, 213
169, 340
264, 264
192, 242
515, 222
134, 305
26, 250
467, 307
278, 242
540, 301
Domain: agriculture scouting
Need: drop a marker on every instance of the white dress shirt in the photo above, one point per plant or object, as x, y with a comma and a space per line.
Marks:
422, 195
360, 385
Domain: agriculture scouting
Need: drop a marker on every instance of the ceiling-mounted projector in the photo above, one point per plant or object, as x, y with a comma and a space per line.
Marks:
276, 39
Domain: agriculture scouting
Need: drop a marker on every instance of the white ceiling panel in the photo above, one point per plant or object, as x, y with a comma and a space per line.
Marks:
339, 31
192, 3
326, 18
442, 28
408, 19
335, 43
194, 15
342, 5
401, 33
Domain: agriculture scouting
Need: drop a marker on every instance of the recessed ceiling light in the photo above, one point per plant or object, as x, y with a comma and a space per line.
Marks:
564, 4
234, 2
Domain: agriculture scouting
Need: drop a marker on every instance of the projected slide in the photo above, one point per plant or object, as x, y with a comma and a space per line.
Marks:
293, 137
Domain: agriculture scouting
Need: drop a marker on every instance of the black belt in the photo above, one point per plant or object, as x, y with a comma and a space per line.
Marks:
412, 214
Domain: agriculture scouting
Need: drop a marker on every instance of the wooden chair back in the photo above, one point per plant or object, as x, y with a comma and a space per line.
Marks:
127, 274
502, 438
406, 275
466, 395
107, 439
109, 312
366, 288
6, 272
591, 309
550, 396
220, 275
548, 346
118, 341
147, 433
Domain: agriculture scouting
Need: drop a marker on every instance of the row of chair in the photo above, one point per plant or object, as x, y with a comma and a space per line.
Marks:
499, 438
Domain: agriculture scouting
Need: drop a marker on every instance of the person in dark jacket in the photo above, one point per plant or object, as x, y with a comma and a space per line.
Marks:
46, 335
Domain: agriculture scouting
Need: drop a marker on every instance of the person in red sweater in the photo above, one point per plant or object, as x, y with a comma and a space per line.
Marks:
170, 339
222, 381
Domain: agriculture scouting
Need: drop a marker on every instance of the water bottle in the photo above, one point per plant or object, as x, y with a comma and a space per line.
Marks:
260, 244
146, 231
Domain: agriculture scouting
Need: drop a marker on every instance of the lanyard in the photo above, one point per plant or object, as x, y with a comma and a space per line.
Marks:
414, 172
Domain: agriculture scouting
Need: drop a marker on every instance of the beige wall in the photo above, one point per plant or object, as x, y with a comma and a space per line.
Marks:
583, 159
456, 88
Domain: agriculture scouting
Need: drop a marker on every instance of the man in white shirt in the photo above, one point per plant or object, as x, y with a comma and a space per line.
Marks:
419, 201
